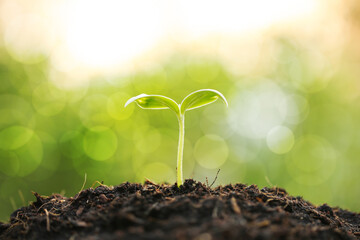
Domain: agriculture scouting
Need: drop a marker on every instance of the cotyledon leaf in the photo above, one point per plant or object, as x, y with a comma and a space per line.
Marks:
154, 102
201, 98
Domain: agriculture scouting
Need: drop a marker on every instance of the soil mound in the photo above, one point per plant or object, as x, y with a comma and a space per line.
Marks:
193, 211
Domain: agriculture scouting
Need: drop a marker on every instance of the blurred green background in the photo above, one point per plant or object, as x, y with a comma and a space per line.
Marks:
292, 121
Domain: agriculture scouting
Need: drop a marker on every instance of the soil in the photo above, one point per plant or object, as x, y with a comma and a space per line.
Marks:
193, 211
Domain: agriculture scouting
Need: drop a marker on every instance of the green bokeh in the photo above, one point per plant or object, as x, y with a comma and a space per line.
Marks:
292, 125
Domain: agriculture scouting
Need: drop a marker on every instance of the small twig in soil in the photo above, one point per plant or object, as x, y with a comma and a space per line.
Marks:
148, 181
18, 221
97, 182
215, 178
43, 205
82, 188
47, 220
235, 207
268, 181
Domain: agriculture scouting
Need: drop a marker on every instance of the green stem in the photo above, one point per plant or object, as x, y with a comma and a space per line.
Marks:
179, 171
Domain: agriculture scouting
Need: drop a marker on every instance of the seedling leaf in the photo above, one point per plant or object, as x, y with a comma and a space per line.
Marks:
154, 102
201, 98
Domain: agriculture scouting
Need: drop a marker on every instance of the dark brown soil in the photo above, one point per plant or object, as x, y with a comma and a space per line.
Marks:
195, 211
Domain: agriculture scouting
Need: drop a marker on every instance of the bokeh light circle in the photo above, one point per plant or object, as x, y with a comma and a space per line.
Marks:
100, 143
21, 151
312, 160
14, 137
255, 112
211, 151
280, 139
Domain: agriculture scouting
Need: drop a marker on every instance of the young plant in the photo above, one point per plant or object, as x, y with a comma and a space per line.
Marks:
194, 100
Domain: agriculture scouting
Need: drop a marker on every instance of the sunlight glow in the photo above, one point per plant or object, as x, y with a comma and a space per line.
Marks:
109, 33
88, 37
101, 33
234, 16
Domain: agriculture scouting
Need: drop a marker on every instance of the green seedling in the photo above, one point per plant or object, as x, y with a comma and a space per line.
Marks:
194, 100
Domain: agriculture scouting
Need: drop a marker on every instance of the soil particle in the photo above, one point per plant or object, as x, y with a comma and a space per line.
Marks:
193, 211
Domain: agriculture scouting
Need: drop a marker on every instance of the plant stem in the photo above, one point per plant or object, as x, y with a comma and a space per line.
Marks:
179, 171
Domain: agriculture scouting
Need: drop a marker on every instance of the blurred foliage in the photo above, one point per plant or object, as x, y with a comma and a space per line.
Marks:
292, 125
